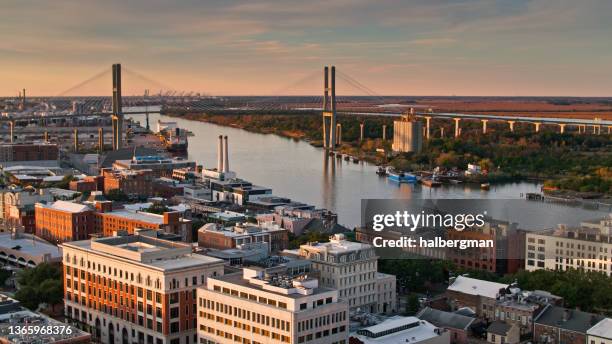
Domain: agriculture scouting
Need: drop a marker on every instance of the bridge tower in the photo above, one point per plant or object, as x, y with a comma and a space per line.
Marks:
329, 108
117, 108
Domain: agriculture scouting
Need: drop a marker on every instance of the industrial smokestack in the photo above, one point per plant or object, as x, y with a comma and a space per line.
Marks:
220, 154
225, 156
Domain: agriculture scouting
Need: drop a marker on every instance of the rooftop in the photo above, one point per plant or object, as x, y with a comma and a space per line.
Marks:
12, 314
65, 206
337, 244
445, 319
568, 319
499, 327
29, 244
145, 250
602, 329
399, 329
472, 286
291, 287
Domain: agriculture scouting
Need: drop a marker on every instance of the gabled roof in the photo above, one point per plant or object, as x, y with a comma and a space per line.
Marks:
499, 327
602, 329
445, 319
568, 319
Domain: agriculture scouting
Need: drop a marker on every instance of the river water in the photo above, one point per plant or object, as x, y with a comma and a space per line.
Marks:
304, 173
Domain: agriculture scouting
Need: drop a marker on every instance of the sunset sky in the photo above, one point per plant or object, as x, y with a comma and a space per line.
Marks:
394, 47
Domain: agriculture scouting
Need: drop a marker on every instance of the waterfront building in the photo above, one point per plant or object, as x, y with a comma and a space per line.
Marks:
400, 329
351, 267
273, 305
135, 288
16, 152
160, 166
588, 247
407, 135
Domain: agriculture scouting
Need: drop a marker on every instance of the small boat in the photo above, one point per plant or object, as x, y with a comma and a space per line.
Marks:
401, 177
432, 183
332, 153
355, 160
485, 186
347, 158
455, 181
381, 171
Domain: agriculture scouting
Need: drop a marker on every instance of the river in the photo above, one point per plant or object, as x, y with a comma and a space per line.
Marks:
297, 170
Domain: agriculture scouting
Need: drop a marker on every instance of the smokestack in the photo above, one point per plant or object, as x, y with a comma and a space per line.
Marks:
225, 156
220, 154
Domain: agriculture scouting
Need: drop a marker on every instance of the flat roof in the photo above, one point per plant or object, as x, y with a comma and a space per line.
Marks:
474, 286
337, 246
138, 216
417, 331
181, 260
238, 279
66, 206
28, 244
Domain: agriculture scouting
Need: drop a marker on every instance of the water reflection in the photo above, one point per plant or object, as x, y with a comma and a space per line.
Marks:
305, 173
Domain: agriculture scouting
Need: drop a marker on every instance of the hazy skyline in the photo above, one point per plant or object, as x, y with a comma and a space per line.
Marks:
395, 47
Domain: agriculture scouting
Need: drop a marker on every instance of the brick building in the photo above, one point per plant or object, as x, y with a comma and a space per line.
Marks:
136, 288
63, 221
132, 183
87, 184
66, 221
478, 295
28, 152
504, 257
560, 325
17, 207
221, 238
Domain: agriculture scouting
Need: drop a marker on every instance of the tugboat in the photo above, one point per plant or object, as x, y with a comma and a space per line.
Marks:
401, 177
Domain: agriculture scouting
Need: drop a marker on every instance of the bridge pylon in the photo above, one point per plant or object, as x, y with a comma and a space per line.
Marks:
329, 108
117, 108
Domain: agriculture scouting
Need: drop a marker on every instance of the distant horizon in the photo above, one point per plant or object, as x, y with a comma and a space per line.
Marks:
521, 48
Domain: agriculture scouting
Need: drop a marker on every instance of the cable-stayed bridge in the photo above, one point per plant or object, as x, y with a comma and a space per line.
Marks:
135, 93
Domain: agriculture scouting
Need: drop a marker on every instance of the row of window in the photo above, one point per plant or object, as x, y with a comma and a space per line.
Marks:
239, 325
237, 312
251, 297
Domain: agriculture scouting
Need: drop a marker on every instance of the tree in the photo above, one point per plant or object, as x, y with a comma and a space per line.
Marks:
117, 195
412, 304
158, 208
41, 284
